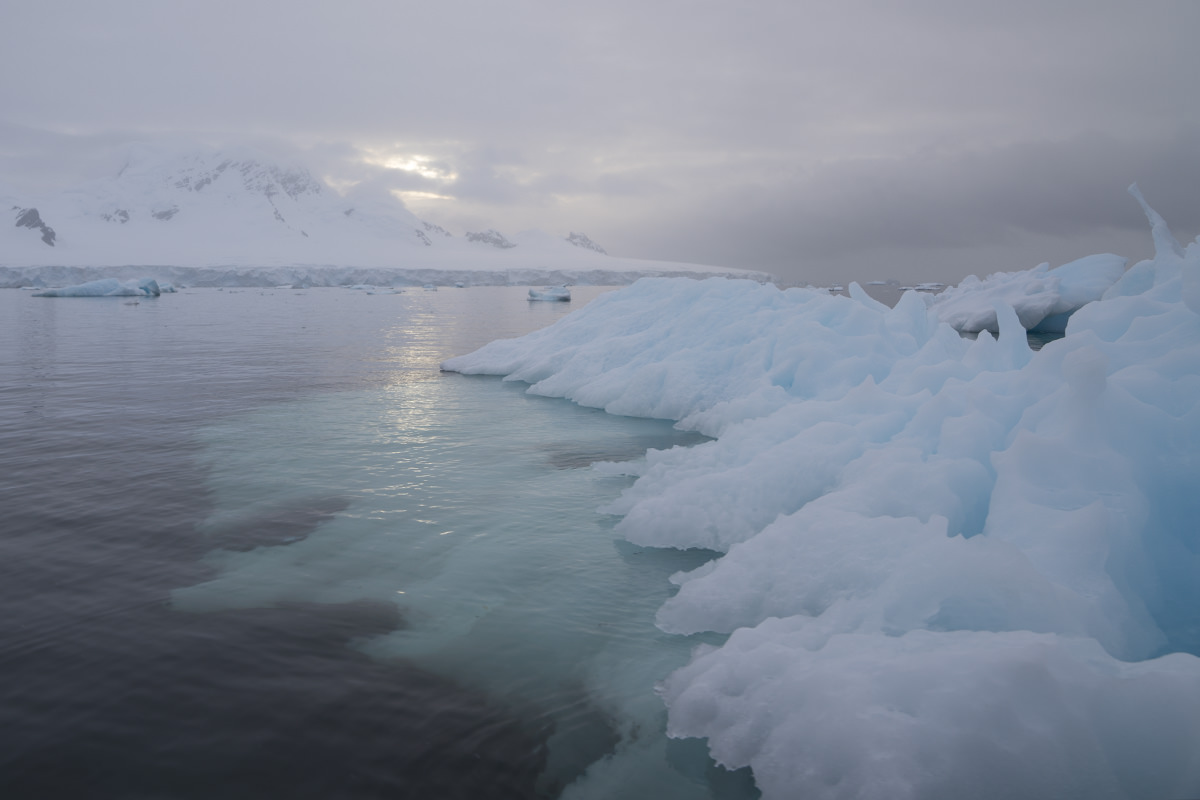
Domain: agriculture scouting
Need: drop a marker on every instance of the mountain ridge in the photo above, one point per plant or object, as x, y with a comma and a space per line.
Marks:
236, 208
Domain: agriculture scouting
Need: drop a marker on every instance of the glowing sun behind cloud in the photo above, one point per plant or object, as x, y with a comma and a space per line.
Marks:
428, 167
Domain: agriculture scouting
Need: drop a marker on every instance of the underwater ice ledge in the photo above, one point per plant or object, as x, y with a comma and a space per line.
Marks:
953, 568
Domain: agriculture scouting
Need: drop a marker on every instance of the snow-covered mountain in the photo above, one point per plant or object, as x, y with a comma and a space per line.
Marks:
214, 207
582, 240
236, 209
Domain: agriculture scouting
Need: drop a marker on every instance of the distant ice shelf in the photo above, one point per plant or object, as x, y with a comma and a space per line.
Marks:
619, 274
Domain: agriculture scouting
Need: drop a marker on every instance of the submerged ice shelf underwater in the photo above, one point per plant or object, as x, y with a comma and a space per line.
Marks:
951, 568
466, 505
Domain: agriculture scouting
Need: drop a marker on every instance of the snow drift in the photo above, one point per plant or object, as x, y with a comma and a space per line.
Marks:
952, 568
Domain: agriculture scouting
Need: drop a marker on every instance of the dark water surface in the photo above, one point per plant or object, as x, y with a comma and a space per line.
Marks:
109, 692
254, 544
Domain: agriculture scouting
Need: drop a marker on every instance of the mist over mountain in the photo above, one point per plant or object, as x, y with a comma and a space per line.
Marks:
239, 208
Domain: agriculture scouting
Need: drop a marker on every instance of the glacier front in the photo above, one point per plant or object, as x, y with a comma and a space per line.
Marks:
950, 567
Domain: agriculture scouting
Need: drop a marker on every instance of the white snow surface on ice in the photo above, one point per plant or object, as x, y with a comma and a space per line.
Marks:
1043, 298
951, 568
236, 218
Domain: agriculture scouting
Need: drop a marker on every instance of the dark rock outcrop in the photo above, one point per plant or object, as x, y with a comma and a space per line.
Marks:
30, 218
581, 240
491, 236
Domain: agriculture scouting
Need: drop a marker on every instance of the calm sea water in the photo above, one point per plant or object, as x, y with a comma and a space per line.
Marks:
254, 544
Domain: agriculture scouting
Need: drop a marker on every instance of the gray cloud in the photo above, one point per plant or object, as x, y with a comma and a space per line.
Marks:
798, 137
850, 219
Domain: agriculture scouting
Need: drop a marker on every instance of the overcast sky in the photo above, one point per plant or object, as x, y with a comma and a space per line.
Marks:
819, 141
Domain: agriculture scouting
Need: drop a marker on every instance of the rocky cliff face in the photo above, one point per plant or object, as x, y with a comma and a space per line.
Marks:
581, 240
30, 218
491, 236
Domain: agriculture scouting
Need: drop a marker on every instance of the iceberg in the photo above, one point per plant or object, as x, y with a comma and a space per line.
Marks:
555, 293
949, 567
1043, 298
109, 287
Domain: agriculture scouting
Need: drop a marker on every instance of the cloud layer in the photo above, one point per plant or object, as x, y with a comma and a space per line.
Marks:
818, 142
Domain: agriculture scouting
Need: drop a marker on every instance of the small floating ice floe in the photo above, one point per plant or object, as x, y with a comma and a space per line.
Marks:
429, 287
107, 287
561, 293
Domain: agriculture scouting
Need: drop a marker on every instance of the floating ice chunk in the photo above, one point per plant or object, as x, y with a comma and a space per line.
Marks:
108, 287
559, 293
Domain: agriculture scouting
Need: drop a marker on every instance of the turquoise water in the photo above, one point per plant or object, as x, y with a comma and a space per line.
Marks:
470, 507
257, 545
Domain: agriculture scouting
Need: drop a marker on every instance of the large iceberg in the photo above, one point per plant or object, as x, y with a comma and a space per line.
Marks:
951, 567
108, 287
553, 293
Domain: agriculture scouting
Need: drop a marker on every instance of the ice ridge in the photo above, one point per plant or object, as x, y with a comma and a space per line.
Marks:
951, 567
